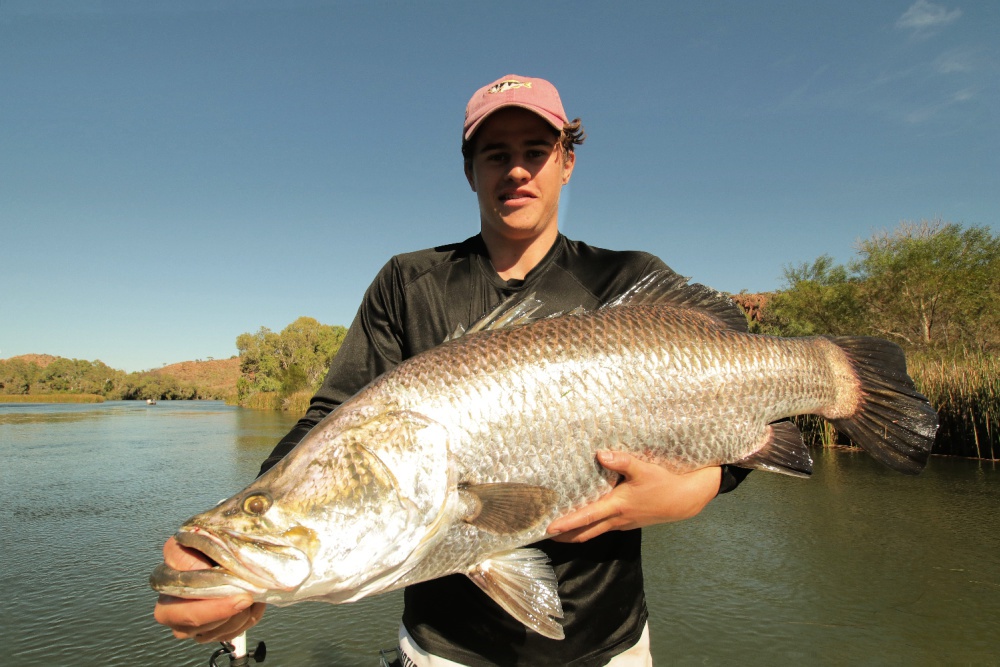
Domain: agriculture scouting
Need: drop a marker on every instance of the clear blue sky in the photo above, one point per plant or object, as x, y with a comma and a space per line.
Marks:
176, 172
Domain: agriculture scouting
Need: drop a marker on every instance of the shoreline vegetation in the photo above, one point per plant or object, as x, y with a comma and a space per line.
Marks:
930, 287
51, 398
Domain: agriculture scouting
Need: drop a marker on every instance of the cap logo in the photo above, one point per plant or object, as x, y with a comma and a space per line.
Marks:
509, 84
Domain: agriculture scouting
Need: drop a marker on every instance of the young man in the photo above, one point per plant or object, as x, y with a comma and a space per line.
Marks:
518, 146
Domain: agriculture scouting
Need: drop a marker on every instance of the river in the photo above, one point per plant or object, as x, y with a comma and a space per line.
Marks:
858, 565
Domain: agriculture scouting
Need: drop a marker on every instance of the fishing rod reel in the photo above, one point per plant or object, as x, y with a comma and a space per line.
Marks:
237, 652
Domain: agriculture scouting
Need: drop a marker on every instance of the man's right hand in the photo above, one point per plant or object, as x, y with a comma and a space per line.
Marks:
205, 621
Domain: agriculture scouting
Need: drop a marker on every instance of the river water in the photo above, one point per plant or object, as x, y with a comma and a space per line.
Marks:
858, 565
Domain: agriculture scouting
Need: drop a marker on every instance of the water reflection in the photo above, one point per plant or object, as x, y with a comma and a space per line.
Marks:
857, 565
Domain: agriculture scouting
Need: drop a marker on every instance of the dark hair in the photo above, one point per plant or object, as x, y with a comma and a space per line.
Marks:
572, 135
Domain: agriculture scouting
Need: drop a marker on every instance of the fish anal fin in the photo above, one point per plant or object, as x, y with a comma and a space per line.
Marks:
505, 508
783, 451
524, 584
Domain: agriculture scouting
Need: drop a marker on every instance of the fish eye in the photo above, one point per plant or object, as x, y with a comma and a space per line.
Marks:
256, 504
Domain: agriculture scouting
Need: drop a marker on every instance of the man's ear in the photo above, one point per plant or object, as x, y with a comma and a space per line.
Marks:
469, 176
569, 160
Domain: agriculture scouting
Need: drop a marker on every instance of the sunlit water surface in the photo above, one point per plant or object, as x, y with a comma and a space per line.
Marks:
858, 565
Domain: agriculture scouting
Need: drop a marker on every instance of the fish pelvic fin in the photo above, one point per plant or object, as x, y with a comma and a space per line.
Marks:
893, 422
524, 584
666, 288
783, 451
506, 508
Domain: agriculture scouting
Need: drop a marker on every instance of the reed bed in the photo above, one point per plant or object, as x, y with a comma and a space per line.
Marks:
966, 394
51, 398
298, 402
263, 400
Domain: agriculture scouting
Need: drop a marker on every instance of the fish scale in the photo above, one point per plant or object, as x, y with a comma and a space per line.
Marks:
457, 458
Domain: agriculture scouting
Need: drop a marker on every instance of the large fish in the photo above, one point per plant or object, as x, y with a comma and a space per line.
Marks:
459, 457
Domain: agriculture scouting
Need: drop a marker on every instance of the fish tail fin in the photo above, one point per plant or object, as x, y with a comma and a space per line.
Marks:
894, 422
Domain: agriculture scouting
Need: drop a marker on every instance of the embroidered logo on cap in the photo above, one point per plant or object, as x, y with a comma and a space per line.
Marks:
509, 84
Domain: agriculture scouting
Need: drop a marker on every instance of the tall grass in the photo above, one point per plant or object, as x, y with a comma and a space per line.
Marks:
966, 394
296, 403
262, 400
51, 398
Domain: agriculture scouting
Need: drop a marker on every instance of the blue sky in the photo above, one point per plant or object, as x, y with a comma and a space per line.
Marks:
176, 172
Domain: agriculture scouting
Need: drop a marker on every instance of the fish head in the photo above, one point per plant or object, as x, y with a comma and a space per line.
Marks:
340, 517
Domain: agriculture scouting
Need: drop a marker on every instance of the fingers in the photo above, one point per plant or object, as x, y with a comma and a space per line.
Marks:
647, 494
620, 462
587, 522
207, 620
232, 627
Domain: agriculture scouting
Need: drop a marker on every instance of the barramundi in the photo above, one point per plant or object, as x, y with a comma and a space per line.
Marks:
461, 456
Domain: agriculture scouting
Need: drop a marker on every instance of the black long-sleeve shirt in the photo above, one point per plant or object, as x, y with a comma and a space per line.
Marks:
414, 303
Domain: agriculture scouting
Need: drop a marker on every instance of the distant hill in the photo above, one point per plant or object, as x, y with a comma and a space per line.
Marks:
216, 374
40, 360
213, 378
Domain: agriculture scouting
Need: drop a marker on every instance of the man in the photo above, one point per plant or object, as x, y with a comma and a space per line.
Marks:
518, 146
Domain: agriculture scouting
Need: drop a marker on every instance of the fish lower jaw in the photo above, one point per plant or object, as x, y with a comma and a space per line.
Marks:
214, 582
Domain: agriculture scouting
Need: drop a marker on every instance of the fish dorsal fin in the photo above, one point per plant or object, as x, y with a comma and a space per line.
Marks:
524, 584
669, 289
506, 508
515, 309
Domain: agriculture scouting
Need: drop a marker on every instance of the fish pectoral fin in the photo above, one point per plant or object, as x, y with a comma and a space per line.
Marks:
505, 508
783, 452
524, 584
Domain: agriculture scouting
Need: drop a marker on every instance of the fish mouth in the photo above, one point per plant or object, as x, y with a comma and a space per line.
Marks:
242, 563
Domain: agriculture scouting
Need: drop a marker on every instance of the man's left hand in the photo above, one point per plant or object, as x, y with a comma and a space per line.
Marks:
646, 495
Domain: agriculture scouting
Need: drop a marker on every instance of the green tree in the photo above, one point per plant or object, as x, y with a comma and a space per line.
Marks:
17, 376
933, 285
286, 362
819, 298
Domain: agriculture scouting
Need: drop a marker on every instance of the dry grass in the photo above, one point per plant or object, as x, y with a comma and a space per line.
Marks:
966, 393
51, 398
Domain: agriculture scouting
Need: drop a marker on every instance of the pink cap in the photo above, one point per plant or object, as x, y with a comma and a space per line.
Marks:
536, 95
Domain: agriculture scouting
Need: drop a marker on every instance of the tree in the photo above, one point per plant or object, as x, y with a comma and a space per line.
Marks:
933, 285
821, 298
286, 362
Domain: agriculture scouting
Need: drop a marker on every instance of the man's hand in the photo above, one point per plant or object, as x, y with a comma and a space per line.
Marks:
205, 621
647, 494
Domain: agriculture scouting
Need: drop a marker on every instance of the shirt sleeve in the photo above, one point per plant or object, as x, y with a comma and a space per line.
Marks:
371, 347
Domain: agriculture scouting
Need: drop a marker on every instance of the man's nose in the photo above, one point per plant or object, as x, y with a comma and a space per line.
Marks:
519, 173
